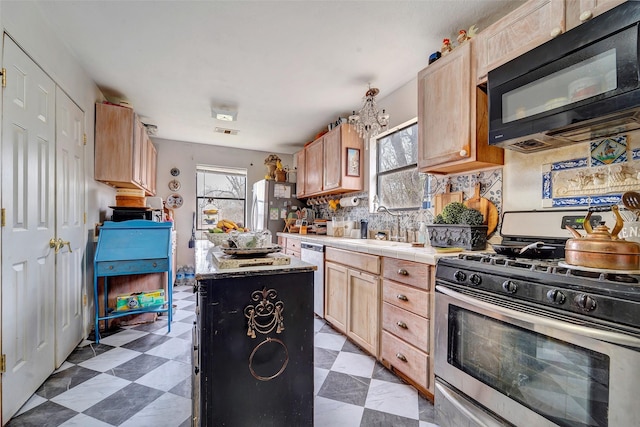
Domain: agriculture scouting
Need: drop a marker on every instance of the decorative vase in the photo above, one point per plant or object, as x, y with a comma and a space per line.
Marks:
281, 175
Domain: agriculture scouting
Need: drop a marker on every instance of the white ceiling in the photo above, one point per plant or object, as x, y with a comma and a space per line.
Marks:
287, 67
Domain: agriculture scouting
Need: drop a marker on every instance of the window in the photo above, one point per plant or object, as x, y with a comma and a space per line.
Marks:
220, 193
394, 161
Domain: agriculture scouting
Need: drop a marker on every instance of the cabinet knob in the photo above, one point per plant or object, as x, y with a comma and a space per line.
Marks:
555, 32
463, 153
155, 264
586, 15
401, 357
403, 272
402, 297
401, 324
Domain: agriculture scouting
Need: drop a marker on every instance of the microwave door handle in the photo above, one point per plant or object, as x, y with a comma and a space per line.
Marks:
598, 334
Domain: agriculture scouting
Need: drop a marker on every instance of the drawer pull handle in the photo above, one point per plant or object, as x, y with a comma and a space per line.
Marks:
403, 272
401, 357
402, 297
111, 267
401, 324
155, 264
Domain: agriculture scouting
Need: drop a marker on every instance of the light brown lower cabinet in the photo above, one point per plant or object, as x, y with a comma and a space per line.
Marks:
352, 296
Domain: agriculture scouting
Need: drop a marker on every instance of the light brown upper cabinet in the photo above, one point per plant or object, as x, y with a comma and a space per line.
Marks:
452, 117
579, 11
529, 26
124, 154
333, 163
300, 173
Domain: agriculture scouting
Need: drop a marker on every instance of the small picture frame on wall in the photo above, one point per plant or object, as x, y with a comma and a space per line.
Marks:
353, 162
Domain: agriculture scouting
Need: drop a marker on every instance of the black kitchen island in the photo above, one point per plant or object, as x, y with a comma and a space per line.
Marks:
253, 344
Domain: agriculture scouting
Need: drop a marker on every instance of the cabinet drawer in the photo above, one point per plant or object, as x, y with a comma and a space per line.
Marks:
410, 327
293, 244
292, 253
357, 260
406, 297
132, 267
407, 272
406, 358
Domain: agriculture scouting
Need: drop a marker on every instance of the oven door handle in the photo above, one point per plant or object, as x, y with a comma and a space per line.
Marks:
597, 334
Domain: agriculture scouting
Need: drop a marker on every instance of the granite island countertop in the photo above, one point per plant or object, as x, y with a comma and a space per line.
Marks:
207, 269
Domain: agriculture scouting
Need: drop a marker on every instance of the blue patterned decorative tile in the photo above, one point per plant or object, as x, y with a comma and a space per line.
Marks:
546, 185
609, 199
608, 151
569, 164
635, 154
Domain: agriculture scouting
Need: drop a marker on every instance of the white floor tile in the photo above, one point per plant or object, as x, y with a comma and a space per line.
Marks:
329, 341
177, 328
319, 375
354, 364
171, 349
82, 420
166, 376
90, 392
167, 410
332, 413
181, 314
317, 324
426, 424
179, 303
65, 365
31, 403
398, 399
109, 360
121, 338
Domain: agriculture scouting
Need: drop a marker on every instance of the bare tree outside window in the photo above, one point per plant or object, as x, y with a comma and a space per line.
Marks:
220, 193
399, 184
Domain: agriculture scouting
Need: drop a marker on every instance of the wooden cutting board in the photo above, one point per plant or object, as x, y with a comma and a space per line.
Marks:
443, 199
486, 208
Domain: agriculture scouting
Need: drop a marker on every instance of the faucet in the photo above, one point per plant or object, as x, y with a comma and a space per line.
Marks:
397, 215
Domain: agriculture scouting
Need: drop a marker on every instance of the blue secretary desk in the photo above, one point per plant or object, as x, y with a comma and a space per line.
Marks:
132, 247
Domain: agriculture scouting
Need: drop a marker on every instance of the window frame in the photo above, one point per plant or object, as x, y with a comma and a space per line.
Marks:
373, 167
220, 170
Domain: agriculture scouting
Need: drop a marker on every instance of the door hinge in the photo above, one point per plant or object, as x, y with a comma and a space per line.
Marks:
84, 299
3, 219
4, 77
84, 138
85, 218
3, 364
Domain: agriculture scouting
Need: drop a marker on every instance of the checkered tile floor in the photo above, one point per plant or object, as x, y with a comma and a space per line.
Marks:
141, 376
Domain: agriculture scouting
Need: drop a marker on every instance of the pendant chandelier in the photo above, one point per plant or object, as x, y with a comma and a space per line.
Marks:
369, 122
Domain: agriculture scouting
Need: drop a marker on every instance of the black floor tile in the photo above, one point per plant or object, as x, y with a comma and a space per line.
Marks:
65, 380
373, 418
345, 388
324, 358
327, 329
382, 373
187, 336
146, 343
183, 388
160, 323
137, 367
81, 354
123, 404
426, 410
48, 414
350, 347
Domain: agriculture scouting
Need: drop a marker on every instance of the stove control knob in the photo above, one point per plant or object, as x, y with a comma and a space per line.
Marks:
586, 302
509, 286
555, 296
460, 276
475, 279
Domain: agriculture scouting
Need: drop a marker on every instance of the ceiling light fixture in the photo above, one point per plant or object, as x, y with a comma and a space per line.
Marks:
369, 121
224, 114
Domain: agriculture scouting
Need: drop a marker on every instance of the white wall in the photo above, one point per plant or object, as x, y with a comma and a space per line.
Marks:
185, 156
24, 22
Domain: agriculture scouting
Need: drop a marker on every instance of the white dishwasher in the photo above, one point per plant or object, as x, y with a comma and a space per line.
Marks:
313, 253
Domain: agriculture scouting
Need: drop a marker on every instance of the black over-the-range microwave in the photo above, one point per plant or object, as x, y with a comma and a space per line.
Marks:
581, 86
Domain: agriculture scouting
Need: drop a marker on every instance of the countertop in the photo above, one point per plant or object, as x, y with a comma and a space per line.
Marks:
399, 250
206, 269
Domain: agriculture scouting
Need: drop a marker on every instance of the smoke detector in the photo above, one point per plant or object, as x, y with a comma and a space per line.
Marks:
226, 131
224, 114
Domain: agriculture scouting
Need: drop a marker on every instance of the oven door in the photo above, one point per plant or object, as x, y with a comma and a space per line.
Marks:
524, 366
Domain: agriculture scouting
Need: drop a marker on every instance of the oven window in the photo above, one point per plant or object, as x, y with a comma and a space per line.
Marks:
566, 384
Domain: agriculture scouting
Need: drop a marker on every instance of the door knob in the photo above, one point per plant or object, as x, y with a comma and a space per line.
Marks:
59, 244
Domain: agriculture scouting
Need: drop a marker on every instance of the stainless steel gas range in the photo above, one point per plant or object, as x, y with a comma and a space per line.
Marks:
535, 342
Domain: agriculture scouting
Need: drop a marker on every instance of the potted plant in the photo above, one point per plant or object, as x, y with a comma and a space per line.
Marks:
458, 226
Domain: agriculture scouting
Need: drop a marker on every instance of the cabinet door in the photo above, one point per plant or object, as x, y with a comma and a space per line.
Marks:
444, 109
332, 160
114, 146
139, 154
579, 11
529, 26
335, 295
363, 309
300, 175
151, 168
314, 160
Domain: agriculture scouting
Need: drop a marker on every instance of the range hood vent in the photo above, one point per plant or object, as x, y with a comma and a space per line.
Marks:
226, 131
